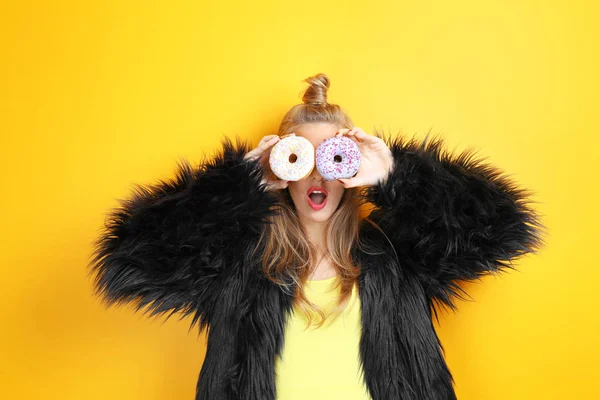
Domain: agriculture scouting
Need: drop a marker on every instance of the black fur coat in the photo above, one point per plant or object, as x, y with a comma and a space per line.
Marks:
183, 245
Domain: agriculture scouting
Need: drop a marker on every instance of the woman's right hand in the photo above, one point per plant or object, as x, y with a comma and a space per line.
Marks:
262, 152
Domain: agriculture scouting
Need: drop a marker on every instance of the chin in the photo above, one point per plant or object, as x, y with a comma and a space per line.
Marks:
318, 217
307, 213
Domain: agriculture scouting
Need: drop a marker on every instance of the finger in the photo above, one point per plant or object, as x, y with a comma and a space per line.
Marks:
264, 140
267, 138
362, 137
369, 139
251, 155
277, 184
360, 134
351, 133
355, 130
349, 182
281, 184
262, 148
268, 143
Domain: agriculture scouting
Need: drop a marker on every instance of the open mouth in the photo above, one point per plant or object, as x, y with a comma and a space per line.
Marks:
317, 197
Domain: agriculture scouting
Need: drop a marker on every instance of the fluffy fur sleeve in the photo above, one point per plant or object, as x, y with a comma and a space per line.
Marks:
453, 217
163, 247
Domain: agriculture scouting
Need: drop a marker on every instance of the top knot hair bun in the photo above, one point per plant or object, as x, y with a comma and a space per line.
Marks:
316, 94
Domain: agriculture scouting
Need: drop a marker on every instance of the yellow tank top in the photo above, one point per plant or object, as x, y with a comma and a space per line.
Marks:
322, 363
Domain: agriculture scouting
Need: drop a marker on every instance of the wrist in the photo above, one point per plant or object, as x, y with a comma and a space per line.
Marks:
388, 168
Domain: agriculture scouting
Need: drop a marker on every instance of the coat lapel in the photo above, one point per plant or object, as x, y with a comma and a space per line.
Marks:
262, 316
400, 352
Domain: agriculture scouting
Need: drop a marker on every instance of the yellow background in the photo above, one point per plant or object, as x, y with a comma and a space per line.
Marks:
96, 96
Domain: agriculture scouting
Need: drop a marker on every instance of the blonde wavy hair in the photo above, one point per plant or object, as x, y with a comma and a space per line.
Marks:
288, 254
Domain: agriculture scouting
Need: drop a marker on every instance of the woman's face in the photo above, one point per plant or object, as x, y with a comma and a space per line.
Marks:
316, 207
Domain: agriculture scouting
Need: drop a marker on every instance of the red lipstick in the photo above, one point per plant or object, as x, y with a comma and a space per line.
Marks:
322, 193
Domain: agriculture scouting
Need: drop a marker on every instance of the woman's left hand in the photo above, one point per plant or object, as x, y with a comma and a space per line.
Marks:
376, 162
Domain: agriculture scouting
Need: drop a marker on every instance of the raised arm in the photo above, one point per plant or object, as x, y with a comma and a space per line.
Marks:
455, 217
164, 245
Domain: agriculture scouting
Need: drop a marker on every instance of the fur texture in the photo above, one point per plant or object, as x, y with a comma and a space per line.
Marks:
184, 246
165, 246
452, 218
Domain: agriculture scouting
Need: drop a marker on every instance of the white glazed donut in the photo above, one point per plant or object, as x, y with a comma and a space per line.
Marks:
338, 157
283, 164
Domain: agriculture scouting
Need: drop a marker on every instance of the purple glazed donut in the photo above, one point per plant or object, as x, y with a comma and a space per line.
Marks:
338, 157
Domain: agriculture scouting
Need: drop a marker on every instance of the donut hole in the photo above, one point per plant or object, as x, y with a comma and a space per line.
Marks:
292, 158
337, 158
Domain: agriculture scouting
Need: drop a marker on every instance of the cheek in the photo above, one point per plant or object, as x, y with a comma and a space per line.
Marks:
337, 193
296, 191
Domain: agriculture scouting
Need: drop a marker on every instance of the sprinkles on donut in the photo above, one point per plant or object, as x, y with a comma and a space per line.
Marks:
338, 158
292, 158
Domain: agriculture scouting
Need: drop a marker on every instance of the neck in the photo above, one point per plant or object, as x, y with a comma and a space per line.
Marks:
316, 232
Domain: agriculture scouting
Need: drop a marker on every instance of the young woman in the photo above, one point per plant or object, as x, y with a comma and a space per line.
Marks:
254, 259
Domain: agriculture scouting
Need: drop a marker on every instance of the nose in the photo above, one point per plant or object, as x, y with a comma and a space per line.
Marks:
315, 175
